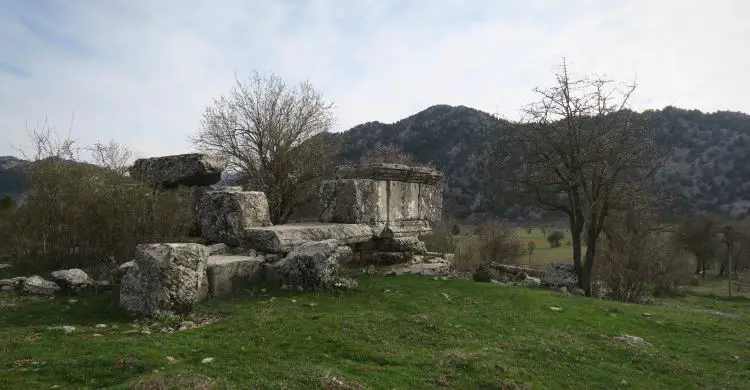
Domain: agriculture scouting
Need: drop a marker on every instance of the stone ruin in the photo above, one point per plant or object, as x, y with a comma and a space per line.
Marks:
369, 215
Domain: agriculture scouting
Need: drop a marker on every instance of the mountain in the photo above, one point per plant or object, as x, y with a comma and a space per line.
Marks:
709, 168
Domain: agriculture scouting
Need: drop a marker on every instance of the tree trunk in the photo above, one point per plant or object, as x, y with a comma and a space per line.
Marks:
576, 227
588, 264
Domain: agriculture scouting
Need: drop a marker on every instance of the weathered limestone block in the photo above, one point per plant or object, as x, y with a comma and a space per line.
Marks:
192, 169
225, 214
165, 278
345, 254
284, 238
381, 193
227, 274
426, 266
386, 258
11, 284
72, 280
312, 266
122, 270
401, 244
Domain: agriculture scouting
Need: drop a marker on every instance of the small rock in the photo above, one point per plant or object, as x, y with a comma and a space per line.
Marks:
72, 280
207, 360
564, 290
632, 340
555, 308
145, 330
100, 326
65, 328
647, 314
171, 360
531, 281
96, 335
72, 301
130, 331
185, 325
55, 387
497, 282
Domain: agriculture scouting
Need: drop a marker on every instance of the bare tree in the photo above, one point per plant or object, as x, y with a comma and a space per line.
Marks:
699, 235
47, 143
274, 137
112, 155
387, 153
578, 151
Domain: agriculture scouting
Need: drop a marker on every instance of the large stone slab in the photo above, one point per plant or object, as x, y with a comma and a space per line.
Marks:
392, 172
284, 238
227, 274
224, 214
192, 169
165, 278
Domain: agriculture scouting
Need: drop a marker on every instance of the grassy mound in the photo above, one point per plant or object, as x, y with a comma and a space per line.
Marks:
404, 332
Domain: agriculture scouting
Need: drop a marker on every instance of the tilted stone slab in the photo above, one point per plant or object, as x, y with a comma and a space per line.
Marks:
227, 274
284, 238
225, 214
192, 169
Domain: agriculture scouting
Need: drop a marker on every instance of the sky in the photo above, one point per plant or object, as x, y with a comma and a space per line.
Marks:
141, 72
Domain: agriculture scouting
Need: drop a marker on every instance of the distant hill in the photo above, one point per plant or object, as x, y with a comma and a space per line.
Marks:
710, 166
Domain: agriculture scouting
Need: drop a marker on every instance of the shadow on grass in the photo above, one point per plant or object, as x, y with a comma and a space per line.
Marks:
85, 308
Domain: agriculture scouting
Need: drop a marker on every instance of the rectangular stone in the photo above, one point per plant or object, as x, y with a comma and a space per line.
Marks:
353, 201
227, 274
192, 169
225, 214
284, 238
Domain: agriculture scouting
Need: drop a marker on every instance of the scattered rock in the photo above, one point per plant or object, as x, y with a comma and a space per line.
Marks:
531, 281
100, 326
411, 245
493, 281
36, 285
632, 340
555, 308
11, 284
72, 280
647, 315
431, 267
560, 275
72, 301
5, 265
171, 360
166, 278
503, 273
185, 325
97, 335
207, 360
65, 328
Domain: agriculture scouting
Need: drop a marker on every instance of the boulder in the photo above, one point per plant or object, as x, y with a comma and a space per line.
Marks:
345, 254
11, 284
225, 214
312, 266
530, 281
192, 169
72, 280
401, 244
218, 249
165, 278
227, 274
37, 285
560, 275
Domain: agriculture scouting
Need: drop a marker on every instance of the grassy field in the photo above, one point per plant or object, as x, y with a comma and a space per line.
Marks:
391, 333
542, 255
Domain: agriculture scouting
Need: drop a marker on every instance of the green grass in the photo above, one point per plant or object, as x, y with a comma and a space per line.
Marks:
391, 333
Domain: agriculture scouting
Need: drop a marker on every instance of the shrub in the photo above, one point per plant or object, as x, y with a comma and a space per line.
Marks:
555, 238
455, 230
635, 258
440, 240
80, 215
495, 243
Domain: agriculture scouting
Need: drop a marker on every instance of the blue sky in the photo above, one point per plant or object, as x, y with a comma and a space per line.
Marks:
141, 72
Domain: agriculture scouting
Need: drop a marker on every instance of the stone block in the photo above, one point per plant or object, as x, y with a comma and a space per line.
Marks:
225, 214
227, 274
192, 169
284, 238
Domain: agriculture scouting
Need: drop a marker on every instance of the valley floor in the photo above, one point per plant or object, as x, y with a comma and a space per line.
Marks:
391, 333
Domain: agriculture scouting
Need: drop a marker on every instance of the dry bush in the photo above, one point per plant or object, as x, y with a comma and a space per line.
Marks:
441, 239
388, 154
493, 242
79, 215
637, 258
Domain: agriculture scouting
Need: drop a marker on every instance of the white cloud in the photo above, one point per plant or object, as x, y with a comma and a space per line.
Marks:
142, 72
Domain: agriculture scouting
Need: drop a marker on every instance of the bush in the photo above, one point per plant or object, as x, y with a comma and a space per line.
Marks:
80, 215
555, 238
441, 239
494, 243
636, 258
455, 230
